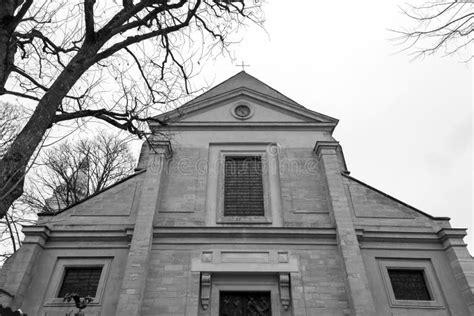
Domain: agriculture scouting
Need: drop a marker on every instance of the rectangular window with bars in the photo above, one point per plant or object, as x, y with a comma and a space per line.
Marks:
81, 280
409, 284
243, 186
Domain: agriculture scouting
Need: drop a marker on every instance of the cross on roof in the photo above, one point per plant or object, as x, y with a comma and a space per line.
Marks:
243, 65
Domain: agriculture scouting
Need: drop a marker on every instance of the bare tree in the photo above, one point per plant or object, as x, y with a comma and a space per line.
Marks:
10, 124
10, 229
64, 175
118, 62
71, 172
444, 27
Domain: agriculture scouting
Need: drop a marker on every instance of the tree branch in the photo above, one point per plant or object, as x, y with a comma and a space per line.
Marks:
89, 19
18, 94
138, 38
122, 121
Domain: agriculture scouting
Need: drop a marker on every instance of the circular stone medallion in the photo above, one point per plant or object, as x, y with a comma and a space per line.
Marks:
242, 111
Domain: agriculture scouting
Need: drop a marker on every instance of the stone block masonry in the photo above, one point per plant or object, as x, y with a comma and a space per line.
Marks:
136, 271
361, 301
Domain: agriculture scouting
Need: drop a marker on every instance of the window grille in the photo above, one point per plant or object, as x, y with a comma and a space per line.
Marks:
243, 189
409, 284
81, 280
245, 304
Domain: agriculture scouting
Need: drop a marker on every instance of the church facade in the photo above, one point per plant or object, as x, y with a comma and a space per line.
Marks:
242, 206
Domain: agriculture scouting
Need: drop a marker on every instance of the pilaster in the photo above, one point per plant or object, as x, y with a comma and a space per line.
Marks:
329, 154
461, 262
17, 274
135, 275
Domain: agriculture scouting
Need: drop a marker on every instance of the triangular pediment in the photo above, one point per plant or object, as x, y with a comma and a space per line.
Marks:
243, 80
218, 105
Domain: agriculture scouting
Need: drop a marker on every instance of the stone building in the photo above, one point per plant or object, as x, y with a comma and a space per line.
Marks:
247, 209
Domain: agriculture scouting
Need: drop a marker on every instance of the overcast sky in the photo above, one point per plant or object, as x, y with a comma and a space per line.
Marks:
405, 126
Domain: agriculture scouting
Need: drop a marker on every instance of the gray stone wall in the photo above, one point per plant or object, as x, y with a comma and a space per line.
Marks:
182, 198
303, 190
319, 288
173, 289
378, 228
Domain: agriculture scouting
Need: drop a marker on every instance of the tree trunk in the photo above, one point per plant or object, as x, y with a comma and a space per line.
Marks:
14, 164
7, 50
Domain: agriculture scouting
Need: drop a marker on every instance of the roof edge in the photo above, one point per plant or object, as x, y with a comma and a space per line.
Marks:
93, 195
439, 218
289, 100
186, 109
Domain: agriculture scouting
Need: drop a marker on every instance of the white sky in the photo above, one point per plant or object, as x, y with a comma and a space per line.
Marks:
405, 126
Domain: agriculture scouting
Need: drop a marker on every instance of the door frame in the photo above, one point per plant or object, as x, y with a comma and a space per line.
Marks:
245, 283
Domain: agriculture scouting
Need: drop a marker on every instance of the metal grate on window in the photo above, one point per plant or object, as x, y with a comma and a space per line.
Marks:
81, 280
245, 304
409, 284
243, 189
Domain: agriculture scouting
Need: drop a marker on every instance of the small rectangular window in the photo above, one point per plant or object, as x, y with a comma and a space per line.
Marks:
243, 187
409, 284
81, 280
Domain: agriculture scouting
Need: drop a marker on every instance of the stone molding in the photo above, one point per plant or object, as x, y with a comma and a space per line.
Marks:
67, 234
324, 147
232, 150
36, 234
327, 146
205, 290
222, 282
284, 283
214, 207
461, 262
431, 279
240, 261
278, 284
196, 106
245, 231
444, 238
452, 236
56, 279
398, 236
160, 147
290, 126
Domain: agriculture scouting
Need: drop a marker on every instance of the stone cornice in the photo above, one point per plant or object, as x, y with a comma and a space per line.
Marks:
396, 236
160, 147
452, 233
325, 145
37, 230
191, 107
36, 234
451, 237
328, 147
326, 127
445, 238
76, 233
246, 232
